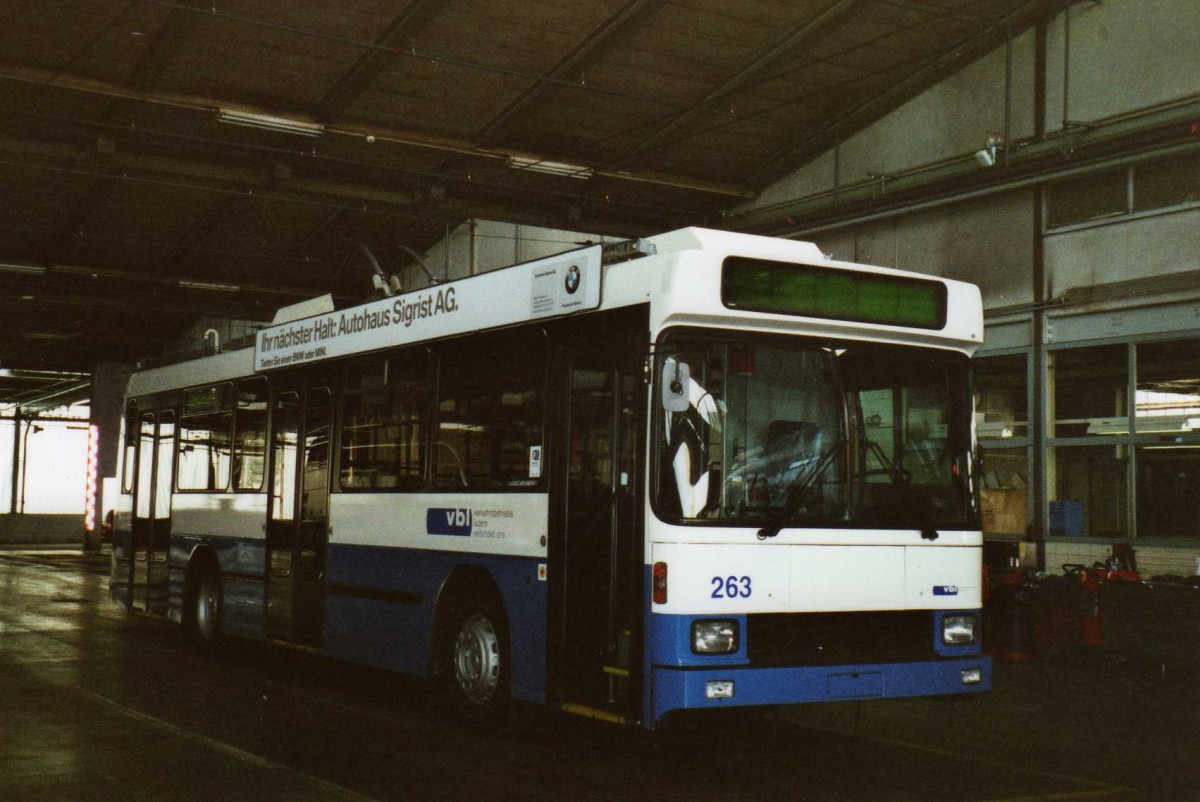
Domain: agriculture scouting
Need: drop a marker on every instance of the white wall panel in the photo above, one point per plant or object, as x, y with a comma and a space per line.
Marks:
1137, 248
815, 177
483, 245
838, 244
1125, 55
952, 118
988, 242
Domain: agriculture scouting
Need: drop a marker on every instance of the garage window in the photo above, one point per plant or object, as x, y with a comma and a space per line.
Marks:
1087, 199
1090, 387
1166, 182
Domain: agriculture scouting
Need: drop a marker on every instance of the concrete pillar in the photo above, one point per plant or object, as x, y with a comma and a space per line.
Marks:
108, 393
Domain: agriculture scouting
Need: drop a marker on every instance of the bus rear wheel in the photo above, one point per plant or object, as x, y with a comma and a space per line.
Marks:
479, 665
204, 608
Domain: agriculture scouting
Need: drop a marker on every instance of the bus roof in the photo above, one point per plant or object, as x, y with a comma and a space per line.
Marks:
564, 284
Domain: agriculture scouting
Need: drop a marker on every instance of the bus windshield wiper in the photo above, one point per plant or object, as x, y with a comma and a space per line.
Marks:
798, 491
902, 480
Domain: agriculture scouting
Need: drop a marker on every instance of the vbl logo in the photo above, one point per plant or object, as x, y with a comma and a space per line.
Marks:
455, 522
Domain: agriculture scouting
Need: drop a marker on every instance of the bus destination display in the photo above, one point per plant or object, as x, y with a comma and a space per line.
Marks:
758, 285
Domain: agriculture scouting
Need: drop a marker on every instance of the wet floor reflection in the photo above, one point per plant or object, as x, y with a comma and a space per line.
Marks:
97, 704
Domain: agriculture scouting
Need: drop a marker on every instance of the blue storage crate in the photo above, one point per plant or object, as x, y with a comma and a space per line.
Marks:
1066, 519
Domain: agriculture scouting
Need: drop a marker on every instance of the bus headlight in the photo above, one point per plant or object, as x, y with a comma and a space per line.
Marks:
714, 637
959, 630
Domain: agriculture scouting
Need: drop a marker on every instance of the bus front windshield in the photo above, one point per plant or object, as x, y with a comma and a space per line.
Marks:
769, 431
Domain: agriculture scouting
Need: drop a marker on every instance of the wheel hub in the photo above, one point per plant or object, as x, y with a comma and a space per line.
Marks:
477, 659
206, 609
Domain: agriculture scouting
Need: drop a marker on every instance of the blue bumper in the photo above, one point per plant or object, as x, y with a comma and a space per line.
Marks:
685, 688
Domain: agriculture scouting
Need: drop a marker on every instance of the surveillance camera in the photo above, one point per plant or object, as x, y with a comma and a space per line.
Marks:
985, 157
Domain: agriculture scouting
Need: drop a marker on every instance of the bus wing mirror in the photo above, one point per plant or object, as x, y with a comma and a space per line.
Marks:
675, 378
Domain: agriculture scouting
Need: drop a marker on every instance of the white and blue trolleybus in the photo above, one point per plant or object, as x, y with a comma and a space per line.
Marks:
698, 470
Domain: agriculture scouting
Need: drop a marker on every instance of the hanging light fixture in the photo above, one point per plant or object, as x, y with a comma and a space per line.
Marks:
552, 168
266, 122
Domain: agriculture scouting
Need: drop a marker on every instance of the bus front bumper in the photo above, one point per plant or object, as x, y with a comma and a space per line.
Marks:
706, 688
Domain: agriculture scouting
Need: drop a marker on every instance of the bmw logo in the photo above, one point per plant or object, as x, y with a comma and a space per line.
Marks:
572, 280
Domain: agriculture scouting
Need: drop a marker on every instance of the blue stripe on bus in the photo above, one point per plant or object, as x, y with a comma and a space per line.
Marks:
380, 602
683, 689
396, 635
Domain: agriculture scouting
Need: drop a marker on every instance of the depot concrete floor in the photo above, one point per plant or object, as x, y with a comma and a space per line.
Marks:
97, 705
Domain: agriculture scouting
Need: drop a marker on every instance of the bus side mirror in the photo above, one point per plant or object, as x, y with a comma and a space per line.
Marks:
675, 378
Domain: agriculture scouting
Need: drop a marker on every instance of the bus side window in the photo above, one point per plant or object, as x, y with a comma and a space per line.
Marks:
205, 433
490, 411
250, 435
131, 436
385, 421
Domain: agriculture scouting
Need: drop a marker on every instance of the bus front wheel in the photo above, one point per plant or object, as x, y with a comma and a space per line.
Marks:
479, 664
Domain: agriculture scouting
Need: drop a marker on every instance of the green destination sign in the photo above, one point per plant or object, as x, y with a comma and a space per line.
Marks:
783, 288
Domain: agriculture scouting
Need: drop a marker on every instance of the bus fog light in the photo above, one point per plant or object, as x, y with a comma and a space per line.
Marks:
718, 689
959, 630
972, 676
714, 637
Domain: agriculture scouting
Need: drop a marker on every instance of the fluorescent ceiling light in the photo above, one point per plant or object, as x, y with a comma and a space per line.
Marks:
1108, 425
27, 270
553, 168
266, 122
994, 429
209, 285
1150, 424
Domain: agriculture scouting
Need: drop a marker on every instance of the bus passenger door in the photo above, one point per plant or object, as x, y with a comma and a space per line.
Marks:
151, 537
298, 516
602, 558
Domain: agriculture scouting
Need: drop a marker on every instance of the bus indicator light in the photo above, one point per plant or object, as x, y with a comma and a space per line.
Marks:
660, 583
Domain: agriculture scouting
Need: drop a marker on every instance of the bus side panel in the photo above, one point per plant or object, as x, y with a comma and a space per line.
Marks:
242, 563
122, 560
381, 602
230, 524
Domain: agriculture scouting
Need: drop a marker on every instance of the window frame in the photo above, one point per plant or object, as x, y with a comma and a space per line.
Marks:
129, 447
226, 406
425, 385
483, 348
236, 451
1131, 209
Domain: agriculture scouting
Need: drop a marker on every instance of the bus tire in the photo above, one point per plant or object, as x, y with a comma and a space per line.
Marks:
479, 664
204, 606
